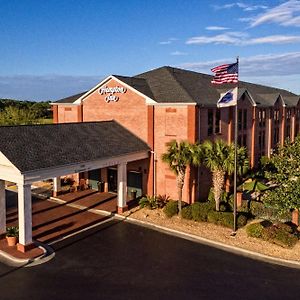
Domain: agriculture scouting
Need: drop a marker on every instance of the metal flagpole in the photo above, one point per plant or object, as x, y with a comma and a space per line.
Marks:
235, 165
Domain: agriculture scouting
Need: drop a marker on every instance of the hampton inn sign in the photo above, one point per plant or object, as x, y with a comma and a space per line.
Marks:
111, 91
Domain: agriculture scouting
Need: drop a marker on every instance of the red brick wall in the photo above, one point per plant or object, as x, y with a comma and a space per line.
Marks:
67, 113
172, 123
130, 110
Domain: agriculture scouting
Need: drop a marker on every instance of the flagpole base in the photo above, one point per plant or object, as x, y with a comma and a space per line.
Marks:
233, 233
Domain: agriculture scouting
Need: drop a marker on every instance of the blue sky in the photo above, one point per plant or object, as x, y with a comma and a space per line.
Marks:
51, 49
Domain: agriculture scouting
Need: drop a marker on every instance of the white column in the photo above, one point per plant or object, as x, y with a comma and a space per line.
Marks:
122, 186
56, 185
2, 207
25, 214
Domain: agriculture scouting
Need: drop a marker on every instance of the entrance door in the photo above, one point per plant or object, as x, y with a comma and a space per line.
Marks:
134, 182
112, 180
94, 178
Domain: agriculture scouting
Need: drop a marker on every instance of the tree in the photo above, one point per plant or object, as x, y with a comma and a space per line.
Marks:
11, 115
179, 156
284, 173
218, 157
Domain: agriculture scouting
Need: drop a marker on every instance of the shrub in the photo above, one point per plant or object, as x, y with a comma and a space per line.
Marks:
255, 230
162, 200
224, 206
258, 209
200, 210
285, 239
226, 219
278, 233
171, 209
241, 220
186, 213
149, 202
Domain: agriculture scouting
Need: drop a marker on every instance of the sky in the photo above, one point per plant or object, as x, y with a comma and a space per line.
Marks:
52, 49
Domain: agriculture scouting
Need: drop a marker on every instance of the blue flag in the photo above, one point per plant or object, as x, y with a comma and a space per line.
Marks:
228, 99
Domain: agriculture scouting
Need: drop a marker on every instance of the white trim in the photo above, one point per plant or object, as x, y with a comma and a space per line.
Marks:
105, 80
65, 104
52, 172
252, 101
174, 104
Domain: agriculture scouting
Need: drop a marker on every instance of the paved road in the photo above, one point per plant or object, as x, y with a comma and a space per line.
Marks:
123, 261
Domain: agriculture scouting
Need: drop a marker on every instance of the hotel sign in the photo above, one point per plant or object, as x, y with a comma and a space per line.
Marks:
112, 93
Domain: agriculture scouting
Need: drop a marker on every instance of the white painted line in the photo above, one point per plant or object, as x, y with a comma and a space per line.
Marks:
80, 231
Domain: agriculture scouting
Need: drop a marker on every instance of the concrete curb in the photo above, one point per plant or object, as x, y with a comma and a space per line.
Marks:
208, 242
18, 262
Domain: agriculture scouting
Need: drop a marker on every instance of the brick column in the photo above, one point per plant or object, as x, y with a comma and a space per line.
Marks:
269, 134
293, 127
25, 218
56, 186
122, 188
253, 138
2, 208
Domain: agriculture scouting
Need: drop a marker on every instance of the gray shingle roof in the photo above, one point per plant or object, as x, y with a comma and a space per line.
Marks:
33, 147
167, 85
70, 99
173, 85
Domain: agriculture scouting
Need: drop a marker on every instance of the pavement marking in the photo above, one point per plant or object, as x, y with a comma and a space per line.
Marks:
80, 231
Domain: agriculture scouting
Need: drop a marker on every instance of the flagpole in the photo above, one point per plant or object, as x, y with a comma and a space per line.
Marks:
235, 164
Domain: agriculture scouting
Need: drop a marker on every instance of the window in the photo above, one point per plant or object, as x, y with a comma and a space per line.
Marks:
240, 116
213, 121
210, 124
245, 119
276, 136
276, 116
262, 117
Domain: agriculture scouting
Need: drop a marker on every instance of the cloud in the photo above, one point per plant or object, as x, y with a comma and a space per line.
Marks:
44, 87
168, 41
243, 39
224, 38
178, 53
216, 28
285, 14
243, 6
258, 65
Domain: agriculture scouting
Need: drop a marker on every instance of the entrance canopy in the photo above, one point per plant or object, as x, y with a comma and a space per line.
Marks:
36, 152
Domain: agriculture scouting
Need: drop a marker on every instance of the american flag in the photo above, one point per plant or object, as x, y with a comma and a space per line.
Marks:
227, 73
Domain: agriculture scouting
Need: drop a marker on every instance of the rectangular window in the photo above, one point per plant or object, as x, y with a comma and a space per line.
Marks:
245, 119
210, 122
218, 121
240, 116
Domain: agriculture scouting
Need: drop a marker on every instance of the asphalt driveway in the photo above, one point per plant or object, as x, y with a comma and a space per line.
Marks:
118, 260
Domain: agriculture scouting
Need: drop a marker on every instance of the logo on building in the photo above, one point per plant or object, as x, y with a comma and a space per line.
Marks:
112, 92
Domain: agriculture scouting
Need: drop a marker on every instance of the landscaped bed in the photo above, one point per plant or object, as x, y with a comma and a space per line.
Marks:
215, 232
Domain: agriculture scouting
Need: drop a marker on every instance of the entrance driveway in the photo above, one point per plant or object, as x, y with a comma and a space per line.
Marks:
118, 260
52, 221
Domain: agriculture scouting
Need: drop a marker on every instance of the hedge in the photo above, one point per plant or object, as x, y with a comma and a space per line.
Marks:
226, 219
278, 233
171, 209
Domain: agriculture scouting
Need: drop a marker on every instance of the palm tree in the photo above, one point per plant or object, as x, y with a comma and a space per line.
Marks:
218, 157
178, 156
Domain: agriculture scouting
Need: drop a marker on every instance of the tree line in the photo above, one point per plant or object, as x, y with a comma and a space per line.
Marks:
16, 112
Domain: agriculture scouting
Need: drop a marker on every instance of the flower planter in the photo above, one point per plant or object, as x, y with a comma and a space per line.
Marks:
11, 241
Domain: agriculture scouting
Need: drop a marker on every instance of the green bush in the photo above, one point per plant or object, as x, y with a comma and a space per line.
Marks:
186, 213
278, 233
200, 210
258, 209
226, 219
241, 220
255, 230
149, 202
285, 239
171, 209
